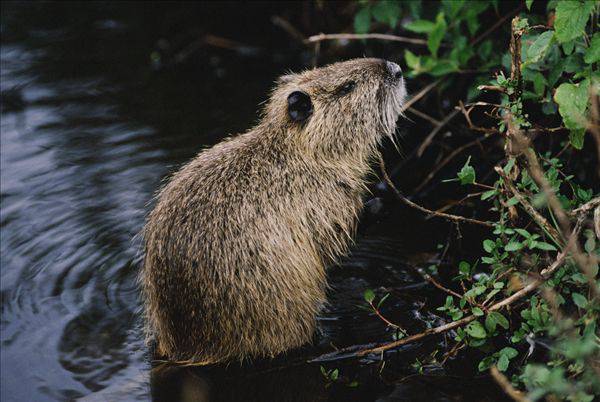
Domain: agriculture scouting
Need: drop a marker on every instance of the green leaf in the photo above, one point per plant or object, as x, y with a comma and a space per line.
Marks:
528, 3
486, 363
489, 245
544, 246
467, 173
509, 165
488, 194
523, 233
456, 315
420, 26
579, 300
382, 300
476, 330
592, 55
576, 138
508, 352
443, 67
539, 84
470, 15
334, 375
495, 318
475, 291
412, 61
539, 47
464, 267
477, 311
572, 102
512, 201
503, 363
362, 21
437, 34
568, 47
513, 246
369, 296
500, 319
571, 18
387, 12
453, 7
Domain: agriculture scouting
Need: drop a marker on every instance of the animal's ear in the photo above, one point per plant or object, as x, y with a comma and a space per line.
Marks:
299, 106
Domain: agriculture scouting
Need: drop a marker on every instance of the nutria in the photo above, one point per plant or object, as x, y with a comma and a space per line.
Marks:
237, 244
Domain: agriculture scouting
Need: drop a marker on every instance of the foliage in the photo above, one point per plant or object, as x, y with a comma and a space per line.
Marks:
558, 76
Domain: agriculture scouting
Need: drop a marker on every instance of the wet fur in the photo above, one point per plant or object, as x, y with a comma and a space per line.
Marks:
238, 242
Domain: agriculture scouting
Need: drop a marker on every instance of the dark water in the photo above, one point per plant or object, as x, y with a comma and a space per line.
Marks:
99, 103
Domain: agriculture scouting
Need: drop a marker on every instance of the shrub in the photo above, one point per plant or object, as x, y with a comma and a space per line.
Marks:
540, 257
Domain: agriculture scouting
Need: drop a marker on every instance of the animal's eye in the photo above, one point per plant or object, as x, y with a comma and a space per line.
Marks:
346, 88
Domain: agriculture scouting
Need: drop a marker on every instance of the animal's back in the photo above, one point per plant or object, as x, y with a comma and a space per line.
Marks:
235, 263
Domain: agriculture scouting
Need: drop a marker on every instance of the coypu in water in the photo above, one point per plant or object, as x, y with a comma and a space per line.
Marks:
237, 244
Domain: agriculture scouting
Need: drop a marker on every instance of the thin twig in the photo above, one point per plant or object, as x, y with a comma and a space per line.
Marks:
595, 119
496, 25
433, 132
587, 207
382, 318
288, 27
535, 215
584, 261
337, 36
424, 116
420, 94
545, 274
455, 203
435, 283
515, 65
506, 386
408, 202
467, 114
491, 88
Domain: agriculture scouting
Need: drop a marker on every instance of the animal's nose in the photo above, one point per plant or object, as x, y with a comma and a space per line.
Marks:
394, 70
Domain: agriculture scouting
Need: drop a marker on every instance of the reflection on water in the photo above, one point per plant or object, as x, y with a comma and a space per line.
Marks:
73, 175
98, 107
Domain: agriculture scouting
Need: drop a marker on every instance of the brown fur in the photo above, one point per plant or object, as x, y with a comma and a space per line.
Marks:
237, 245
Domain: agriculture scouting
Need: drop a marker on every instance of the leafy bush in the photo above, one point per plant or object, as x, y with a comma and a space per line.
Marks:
546, 82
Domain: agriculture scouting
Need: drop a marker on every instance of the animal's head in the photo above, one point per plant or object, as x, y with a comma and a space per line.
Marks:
342, 107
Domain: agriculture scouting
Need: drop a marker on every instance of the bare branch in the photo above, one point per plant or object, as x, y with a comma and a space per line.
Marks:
535, 215
587, 207
506, 386
433, 132
408, 202
447, 159
420, 94
536, 283
337, 36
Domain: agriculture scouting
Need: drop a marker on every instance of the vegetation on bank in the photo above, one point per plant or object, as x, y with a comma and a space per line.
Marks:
529, 299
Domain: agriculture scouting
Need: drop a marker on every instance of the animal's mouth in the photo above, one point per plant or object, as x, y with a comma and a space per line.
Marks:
401, 90
395, 79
